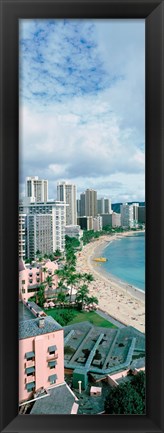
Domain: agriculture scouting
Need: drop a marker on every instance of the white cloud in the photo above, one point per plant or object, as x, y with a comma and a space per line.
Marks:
82, 105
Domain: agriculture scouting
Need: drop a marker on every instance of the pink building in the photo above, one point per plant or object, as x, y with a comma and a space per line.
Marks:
31, 276
41, 351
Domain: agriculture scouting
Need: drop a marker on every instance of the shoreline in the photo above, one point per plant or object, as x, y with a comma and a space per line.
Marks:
128, 302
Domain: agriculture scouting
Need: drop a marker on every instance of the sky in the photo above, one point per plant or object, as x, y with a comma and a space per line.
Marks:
82, 105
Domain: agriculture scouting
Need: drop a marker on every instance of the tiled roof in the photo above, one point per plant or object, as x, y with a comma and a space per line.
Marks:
30, 328
60, 401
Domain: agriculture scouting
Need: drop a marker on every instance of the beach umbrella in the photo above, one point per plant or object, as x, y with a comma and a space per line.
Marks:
51, 304
46, 305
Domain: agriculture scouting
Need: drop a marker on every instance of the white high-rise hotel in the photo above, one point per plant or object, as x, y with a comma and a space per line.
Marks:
66, 192
45, 224
127, 218
37, 189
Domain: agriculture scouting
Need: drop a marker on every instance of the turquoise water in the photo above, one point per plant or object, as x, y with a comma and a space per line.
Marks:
126, 260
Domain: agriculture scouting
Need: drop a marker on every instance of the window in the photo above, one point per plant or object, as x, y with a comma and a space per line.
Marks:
23, 290
52, 378
30, 386
30, 356
30, 371
52, 349
23, 281
52, 364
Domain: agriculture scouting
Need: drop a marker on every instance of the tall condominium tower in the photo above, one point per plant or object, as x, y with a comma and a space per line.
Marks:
103, 205
82, 204
37, 189
107, 205
100, 206
45, 227
127, 218
90, 202
67, 192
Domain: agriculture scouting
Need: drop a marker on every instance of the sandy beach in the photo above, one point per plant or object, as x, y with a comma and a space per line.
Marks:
122, 301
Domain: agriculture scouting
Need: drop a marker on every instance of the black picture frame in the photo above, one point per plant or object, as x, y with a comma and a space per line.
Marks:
153, 13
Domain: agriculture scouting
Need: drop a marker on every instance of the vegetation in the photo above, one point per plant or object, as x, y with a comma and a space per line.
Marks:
62, 316
40, 295
79, 316
127, 398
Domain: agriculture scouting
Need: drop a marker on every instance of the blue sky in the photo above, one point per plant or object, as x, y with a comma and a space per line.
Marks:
82, 105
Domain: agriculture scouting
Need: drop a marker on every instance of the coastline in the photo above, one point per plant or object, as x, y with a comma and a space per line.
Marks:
128, 302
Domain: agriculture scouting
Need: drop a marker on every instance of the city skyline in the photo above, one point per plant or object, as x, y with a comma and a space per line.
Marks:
82, 105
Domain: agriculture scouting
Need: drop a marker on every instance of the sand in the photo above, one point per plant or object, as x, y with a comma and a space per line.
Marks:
122, 301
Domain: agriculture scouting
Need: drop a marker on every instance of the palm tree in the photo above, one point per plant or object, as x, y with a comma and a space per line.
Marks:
71, 281
88, 277
92, 300
82, 295
49, 280
61, 297
44, 270
40, 295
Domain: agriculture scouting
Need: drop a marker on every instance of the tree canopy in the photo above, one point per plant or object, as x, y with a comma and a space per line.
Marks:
128, 397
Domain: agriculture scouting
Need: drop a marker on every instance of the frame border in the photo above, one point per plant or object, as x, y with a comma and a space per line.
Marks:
153, 13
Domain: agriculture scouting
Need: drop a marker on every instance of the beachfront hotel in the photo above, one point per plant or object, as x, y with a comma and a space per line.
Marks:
127, 216
113, 219
32, 275
37, 189
67, 192
45, 227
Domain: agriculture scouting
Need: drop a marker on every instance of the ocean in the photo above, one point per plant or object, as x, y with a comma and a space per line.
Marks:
126, 259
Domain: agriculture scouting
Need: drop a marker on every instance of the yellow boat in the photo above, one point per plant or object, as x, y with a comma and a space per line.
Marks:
100, 259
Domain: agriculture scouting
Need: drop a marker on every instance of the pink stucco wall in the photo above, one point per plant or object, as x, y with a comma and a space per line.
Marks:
39, 345
38, 276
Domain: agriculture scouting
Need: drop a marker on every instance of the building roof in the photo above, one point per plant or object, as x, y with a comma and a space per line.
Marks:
59, 401
30, 328
29, 324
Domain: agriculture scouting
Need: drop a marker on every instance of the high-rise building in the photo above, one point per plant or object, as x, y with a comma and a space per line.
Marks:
103, 205
135, 212
127, 218
141, 214
78, 206
67, 192
22, 236
82, 204
97, 223
37, 189
107, 205
113, 219
91, 202
45, 227
100, 205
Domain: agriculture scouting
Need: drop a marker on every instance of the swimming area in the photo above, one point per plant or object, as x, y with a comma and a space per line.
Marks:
126, 259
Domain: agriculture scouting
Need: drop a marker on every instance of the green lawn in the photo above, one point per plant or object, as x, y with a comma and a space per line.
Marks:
82, 316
